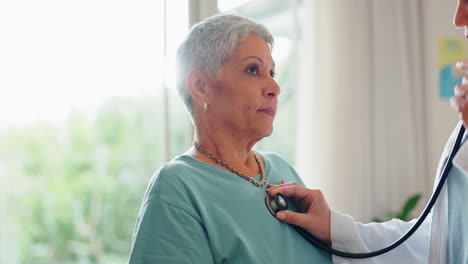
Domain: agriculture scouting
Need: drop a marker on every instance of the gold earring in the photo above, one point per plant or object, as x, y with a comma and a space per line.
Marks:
205, 107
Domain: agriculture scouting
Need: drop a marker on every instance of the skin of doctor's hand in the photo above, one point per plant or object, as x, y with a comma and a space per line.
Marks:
315, 212
460, 100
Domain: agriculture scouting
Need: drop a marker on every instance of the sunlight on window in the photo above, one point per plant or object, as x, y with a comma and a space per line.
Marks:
60, 55
177, 29
225, 5
282, 48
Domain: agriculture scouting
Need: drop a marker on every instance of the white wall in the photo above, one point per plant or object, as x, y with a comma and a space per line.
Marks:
441, 119
371, 125
333, 151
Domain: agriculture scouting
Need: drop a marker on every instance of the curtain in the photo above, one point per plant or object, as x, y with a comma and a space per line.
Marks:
360, 104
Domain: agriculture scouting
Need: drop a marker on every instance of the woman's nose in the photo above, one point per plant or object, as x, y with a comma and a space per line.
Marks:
272, 90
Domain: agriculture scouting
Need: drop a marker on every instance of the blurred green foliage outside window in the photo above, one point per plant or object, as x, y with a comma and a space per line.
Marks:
75, 190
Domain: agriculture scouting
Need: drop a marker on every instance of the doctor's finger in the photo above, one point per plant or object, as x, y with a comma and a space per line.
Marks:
296, 191
285, 186
461, 90
458, 102
294, 218
319, 226
289, 185
463, 64
282, 184
465, 78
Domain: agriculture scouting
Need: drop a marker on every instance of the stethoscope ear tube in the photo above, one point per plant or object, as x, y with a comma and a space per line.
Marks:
448, 165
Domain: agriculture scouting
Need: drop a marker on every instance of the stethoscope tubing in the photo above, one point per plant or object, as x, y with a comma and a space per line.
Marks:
448, 165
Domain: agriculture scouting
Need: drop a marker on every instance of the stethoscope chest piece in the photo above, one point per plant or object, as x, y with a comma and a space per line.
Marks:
276, 203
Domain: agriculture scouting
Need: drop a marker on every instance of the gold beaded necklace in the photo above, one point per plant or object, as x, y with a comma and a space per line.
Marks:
229, 168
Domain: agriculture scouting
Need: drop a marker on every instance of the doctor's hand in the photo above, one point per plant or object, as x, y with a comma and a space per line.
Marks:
315, 213
460, 100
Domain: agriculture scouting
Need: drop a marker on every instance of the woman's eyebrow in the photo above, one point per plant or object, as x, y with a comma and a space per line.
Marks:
255, 57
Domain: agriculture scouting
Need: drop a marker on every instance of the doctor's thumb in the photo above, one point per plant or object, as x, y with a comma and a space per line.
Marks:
291, 217
308, 222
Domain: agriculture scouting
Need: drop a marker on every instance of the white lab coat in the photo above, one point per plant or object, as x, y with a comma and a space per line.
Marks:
427, 245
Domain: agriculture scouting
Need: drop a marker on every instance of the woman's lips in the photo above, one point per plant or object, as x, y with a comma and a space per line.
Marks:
268, 111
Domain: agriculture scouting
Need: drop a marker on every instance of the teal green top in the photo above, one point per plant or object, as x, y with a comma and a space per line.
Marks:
194, 212
457, 216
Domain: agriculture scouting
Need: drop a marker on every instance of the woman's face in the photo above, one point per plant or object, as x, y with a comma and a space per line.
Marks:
461, 16
245, 95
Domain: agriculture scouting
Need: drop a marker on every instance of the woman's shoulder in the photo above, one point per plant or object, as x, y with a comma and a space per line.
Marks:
277, 163
170, 189
178, 164
273, 158
171, 178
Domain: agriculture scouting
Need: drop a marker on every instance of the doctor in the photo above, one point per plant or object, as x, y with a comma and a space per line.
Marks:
443, 238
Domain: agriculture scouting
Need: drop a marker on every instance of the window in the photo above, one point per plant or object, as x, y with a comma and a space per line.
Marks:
82, 123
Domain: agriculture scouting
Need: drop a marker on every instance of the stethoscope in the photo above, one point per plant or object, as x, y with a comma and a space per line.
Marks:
278, 203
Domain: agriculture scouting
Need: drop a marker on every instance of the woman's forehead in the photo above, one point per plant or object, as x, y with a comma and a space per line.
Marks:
253, 47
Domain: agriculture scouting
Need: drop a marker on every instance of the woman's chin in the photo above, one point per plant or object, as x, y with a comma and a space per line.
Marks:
267, 132
261, 130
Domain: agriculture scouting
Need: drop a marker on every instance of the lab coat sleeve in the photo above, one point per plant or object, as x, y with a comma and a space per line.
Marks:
351, 236
461, 159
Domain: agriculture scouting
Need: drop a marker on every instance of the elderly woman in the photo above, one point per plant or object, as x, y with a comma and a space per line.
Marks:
207, 205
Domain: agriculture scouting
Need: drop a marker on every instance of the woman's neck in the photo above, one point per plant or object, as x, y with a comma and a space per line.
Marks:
235, 151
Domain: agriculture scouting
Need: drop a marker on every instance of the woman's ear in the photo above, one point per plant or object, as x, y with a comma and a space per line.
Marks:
198, 83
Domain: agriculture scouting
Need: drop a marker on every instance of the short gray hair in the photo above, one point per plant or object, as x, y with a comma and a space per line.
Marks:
209, 44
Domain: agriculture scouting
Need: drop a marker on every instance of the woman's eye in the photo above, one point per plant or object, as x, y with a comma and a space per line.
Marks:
252, 70
272, 74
